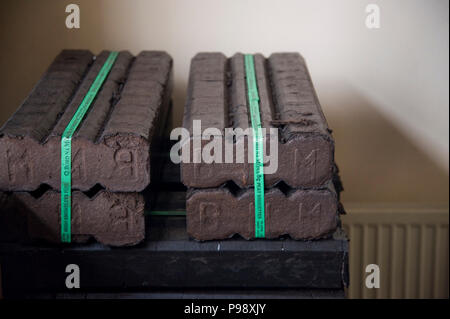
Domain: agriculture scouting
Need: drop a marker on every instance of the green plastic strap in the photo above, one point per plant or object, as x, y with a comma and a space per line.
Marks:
166, 213
258, 146
66, 147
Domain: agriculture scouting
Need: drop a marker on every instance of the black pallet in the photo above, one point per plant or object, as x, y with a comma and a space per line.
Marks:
170, 264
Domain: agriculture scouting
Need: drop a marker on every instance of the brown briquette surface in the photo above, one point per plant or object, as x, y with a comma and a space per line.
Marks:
115, 219
218, 213
111, 146
217, 96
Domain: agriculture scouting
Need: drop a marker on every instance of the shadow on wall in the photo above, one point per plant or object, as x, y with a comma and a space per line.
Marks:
377, 161
33, 33
179, 96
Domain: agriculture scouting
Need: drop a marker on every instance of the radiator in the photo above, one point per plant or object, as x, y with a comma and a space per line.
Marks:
410, 244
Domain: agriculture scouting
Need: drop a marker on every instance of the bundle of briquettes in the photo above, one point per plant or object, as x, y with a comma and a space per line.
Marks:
112, 149
301, 198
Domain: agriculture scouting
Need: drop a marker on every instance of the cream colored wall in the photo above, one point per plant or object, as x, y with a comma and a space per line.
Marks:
385, 91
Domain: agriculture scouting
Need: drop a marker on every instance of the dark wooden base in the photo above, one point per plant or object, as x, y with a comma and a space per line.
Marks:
169, 259
168, 264
204, 294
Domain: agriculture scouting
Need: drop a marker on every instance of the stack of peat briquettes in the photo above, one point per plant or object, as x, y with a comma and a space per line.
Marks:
302, 196
111, 149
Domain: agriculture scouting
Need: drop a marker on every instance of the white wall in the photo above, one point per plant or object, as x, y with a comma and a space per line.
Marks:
403, 66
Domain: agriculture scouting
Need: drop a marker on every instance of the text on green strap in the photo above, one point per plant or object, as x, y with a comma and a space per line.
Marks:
258, 146
66, 147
